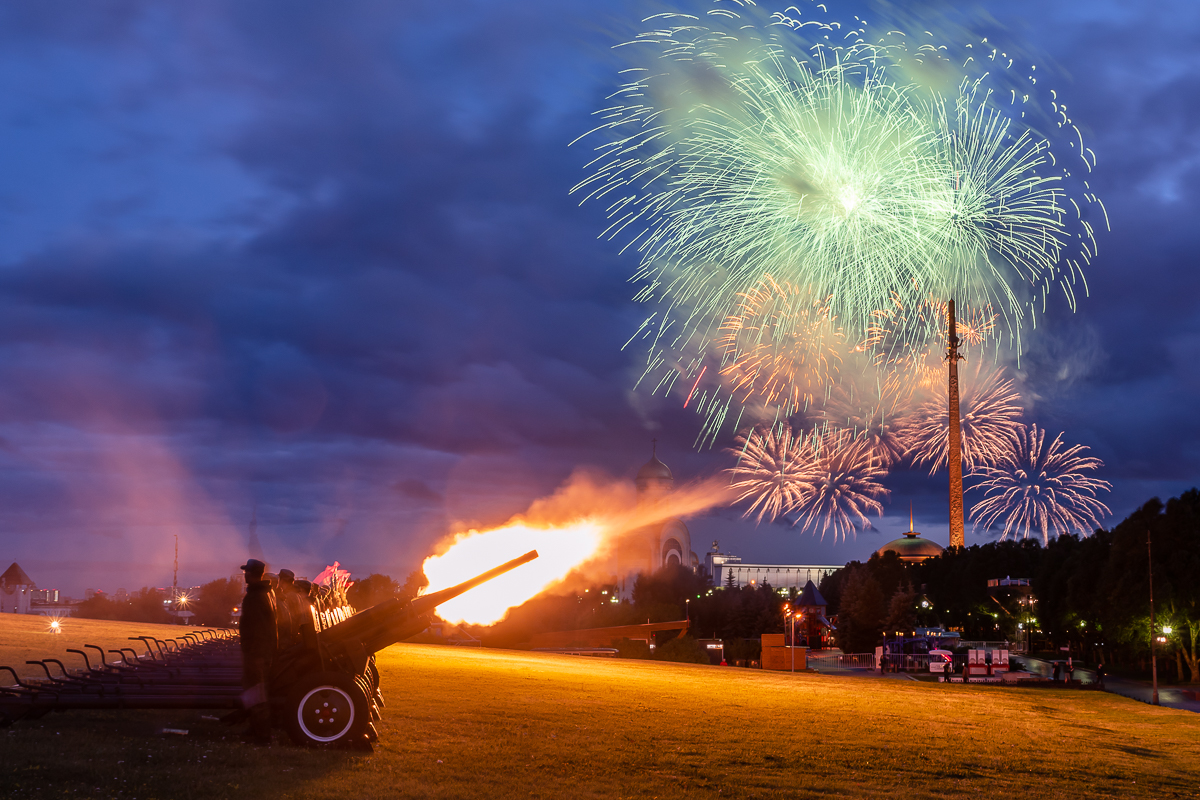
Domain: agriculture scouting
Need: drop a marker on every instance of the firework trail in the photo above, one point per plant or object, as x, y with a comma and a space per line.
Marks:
775, 469
739, 148
913, 341
829, 480
990, 414
845, 487
873, 413
1040, 489
781, 348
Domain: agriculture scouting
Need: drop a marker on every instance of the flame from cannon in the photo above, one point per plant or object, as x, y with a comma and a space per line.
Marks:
573, 530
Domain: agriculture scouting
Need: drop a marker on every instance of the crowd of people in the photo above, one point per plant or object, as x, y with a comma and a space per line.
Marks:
278, 612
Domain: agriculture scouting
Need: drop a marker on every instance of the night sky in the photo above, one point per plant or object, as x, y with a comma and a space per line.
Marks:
318, 263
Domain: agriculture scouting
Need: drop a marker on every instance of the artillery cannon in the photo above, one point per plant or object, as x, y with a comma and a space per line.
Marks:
330, 693
324, 690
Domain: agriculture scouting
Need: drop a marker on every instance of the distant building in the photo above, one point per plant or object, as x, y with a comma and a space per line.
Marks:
910, 547
652, 547
813, 627
726, 568
16, 591
45, 596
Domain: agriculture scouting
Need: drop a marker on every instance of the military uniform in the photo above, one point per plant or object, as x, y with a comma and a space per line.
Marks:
290, 608
260, 640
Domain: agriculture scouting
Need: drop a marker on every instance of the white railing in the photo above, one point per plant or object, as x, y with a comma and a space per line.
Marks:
906, 662
919, 662
842, 661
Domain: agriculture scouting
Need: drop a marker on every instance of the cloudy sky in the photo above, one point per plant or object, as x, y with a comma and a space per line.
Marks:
317, 264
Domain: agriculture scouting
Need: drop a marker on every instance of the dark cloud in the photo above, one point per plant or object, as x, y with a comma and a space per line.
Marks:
324, 263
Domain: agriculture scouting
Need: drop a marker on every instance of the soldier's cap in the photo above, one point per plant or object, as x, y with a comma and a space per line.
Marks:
286, 575
254, 565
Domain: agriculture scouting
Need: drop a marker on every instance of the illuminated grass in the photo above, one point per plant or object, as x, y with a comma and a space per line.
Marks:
497, 724
24, 637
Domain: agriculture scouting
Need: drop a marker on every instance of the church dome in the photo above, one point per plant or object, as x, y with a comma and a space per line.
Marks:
912, 548
654, 470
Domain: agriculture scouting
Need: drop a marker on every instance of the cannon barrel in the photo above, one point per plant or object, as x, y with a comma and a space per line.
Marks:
395, 620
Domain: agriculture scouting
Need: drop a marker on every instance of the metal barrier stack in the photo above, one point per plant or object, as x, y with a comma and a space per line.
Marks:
201, 670
324, 690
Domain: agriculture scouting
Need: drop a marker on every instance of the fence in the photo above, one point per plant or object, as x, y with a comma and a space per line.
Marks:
918, 662
985, 645
892, 662
842, 661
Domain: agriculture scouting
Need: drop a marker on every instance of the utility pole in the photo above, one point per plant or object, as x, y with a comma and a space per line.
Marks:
174, 583
1153, 655
957, 526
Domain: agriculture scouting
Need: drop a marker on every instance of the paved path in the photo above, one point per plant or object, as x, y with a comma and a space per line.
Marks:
1168, 696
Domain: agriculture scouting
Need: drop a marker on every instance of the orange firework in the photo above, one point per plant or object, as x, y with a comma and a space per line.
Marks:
913, 340
829, 480
781, 348
874, 412
990, 414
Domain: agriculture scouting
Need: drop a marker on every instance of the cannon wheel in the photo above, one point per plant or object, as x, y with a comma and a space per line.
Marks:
327, 709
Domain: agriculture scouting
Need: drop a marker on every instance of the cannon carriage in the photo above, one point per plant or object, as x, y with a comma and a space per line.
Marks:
323, 689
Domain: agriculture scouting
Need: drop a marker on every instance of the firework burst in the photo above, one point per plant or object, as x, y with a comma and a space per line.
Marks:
873, 413
913, 341
738, 150
1035, 488
845, 486
781, 348
829, 480
775, 469
990, 413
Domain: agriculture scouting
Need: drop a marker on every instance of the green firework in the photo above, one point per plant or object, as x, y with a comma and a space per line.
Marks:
742, 148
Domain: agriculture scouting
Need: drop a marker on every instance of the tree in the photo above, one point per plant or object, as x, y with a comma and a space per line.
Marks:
413, 584
146, 606
902, 611
1175, 531
372, 590
215, 602
98, 606
861, 612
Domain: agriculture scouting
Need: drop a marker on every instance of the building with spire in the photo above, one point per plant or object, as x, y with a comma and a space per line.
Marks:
652, 547
910, 547
16, 591
669, 542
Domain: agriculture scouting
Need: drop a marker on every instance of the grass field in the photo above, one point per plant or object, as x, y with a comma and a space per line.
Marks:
24, 637
499, 724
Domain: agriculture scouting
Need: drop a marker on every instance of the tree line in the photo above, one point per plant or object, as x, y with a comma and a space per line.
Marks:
1090, 594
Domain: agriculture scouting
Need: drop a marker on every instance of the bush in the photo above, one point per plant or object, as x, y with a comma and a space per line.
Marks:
145, 606
683, 649
632, 648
